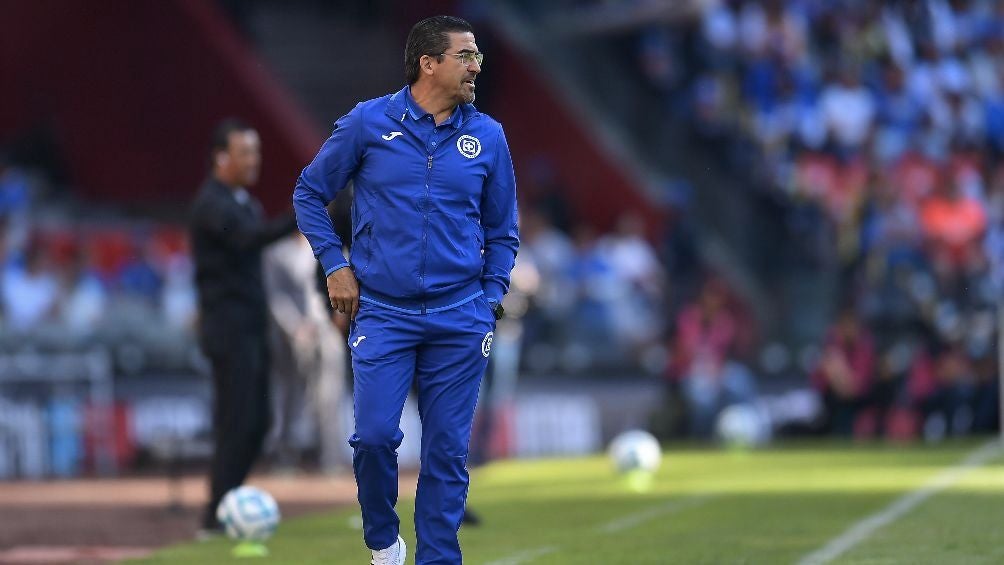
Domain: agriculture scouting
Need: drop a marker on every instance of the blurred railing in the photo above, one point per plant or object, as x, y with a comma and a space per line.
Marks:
62, 415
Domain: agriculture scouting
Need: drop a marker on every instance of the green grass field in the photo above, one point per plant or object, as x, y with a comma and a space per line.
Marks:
704, 506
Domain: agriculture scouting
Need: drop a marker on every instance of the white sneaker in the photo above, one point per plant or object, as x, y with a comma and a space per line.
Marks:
393, 555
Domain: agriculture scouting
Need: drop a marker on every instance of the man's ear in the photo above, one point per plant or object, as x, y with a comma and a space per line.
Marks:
425, 63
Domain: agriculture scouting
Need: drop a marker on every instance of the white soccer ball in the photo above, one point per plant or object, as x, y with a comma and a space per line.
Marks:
248, 513
635, 450
742, 425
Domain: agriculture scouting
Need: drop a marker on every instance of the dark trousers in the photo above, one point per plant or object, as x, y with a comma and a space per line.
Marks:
241, 409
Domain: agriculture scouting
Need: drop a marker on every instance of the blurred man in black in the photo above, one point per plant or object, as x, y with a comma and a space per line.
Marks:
228, 232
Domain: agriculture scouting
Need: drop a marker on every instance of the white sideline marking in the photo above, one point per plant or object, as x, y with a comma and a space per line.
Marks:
612, 527
524, 556
868, 526
632, 520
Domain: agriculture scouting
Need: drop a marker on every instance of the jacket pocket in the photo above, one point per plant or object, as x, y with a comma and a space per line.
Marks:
362, 247
479, 234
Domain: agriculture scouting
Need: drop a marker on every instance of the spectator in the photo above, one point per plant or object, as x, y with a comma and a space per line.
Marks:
139, 277
898, 114
703, 358
82, 296
597, 292
178, 300
640, 282
30, 290
845, 372
848, 110
953, 223
949, 410
309, 355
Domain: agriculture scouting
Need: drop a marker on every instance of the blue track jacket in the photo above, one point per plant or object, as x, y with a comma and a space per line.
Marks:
434, 213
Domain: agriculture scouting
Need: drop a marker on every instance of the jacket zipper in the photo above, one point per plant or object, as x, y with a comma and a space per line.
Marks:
425, 229
425, 210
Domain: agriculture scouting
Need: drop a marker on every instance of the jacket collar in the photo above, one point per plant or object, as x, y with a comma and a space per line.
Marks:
401, 104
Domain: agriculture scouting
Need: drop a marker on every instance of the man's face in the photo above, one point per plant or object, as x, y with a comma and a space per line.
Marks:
452, 74
240, 164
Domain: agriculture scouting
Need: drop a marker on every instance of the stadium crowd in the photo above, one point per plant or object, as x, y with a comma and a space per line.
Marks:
78, 279
71, 278
882, 123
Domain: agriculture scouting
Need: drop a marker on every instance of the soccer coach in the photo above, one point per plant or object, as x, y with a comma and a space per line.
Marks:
434, 239
228, 233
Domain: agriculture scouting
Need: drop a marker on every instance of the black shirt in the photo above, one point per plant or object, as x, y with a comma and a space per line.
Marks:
228, 236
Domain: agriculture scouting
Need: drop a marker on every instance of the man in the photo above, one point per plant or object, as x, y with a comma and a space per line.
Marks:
228, 233
308, 354
434, 240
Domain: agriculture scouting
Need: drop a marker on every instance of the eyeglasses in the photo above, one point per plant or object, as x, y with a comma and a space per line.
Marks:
467, 58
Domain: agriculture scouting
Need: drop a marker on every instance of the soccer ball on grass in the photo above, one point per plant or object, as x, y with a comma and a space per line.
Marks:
248, 514
635, 450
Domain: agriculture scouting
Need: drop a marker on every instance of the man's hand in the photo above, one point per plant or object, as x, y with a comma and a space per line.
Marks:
343, 292
341, 323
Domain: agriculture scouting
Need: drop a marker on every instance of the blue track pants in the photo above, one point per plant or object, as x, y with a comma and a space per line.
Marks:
445, 353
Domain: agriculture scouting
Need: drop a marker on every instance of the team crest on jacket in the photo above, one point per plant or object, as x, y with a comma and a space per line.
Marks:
469, 146
486, 344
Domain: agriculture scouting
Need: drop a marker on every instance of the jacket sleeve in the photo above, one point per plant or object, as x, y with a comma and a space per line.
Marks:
237, 228
499, 220
321, 181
